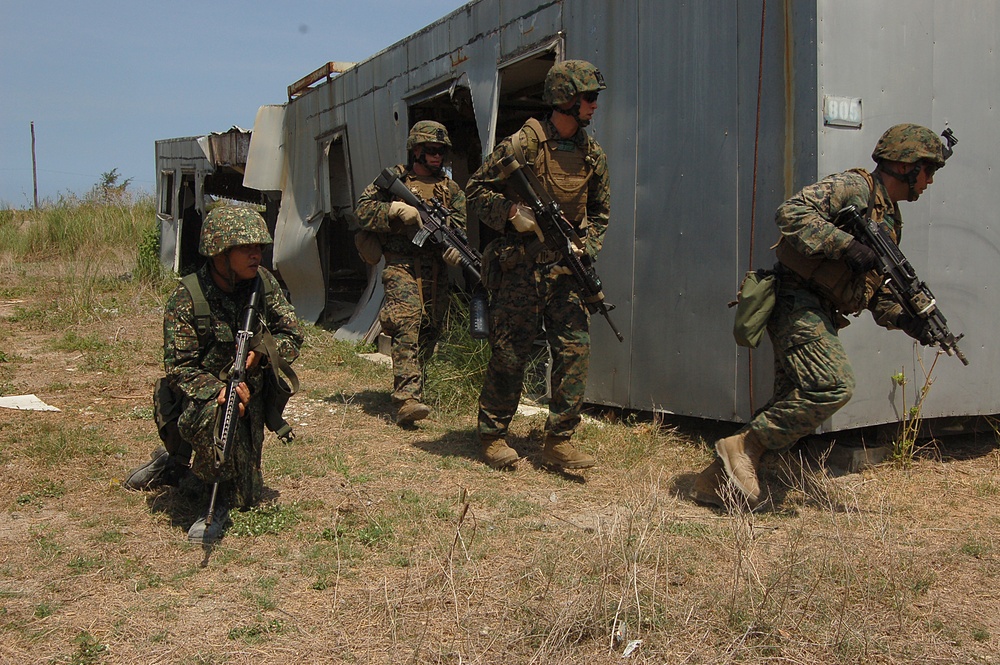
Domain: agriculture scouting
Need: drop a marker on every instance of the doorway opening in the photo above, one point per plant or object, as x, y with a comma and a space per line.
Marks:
345, 274
452, 107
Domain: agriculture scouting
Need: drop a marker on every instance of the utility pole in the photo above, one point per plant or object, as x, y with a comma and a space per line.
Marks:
34, 170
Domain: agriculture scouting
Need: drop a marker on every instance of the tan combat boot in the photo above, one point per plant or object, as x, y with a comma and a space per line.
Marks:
558, 452
497, 454
411, 410
740, 454
708, 483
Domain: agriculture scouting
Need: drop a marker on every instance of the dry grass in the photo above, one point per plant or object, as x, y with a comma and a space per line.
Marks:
382, 545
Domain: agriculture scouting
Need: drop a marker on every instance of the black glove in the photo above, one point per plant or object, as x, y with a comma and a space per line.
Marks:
916, 328
859, 257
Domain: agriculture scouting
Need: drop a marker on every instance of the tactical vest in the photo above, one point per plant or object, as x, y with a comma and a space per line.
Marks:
848, 292
561, 165
397, 244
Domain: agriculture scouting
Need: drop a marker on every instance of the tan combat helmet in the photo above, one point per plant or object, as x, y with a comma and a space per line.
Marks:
909, 143
569, 78
427, 131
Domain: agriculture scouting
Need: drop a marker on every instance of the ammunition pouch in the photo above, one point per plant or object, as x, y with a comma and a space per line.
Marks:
369, 246
832, 278
491, 270
280, 383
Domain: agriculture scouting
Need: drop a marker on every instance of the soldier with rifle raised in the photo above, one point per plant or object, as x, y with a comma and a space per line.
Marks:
837, 255
538, 277
229, 336
415, 277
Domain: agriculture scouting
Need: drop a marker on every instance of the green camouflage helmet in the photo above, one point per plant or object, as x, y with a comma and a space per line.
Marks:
427, 131
230, 226
909, 143
569, 78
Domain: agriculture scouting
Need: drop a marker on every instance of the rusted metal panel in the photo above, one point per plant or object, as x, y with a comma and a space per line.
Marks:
230, 148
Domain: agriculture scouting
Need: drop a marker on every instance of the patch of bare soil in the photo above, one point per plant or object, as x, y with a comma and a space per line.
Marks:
377, 544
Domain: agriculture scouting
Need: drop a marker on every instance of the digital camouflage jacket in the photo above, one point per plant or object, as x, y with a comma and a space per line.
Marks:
806, 222
194, 370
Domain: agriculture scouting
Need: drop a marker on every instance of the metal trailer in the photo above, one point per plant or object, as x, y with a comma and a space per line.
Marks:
188, 170
716, 111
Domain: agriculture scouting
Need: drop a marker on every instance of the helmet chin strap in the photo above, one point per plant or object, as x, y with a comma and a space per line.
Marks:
909, 177
422, 159
230, 277
573, 112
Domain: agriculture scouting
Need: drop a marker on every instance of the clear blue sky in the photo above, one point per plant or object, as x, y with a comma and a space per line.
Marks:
103, 80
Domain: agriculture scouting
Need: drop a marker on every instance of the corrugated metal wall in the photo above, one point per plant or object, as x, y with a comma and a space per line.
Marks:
679, 123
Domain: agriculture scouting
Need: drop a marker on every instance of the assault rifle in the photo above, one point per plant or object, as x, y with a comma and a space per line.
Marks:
898, 275
434, 224
227, 423
560, 237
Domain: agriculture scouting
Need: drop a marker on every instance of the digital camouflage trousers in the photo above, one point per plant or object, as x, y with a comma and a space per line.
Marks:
241, 482
528, 298
412, 316
813, 378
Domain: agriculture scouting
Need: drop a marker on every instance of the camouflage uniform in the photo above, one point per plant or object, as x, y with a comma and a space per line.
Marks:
813, 377
194, 369
825, 274
528, 295
415, 278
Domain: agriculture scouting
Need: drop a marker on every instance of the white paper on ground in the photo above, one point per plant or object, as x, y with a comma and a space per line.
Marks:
25, 403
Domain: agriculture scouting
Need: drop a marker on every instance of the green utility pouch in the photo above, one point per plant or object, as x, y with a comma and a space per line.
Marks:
754, 304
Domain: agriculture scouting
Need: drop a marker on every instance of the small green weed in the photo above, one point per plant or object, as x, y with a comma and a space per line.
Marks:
905, 445
256, 633
272, 519
88, 649
974, 548
44, 489
378, 531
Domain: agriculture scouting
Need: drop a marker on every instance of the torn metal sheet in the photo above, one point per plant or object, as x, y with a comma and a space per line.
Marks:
25, 403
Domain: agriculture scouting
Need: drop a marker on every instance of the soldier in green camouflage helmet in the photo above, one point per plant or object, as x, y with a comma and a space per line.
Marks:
824, 275
428, 131
534, 291
415, 278
567, 82
196, 356
911, 144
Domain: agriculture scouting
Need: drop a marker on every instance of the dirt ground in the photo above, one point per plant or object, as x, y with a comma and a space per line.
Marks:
377, 544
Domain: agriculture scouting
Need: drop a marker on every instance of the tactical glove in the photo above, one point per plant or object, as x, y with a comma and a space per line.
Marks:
524, 221
404, 212
916, 328
859, 257
452, 256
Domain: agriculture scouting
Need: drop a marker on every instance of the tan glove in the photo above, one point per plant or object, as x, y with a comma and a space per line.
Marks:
524, 220
452, 256
404, 212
